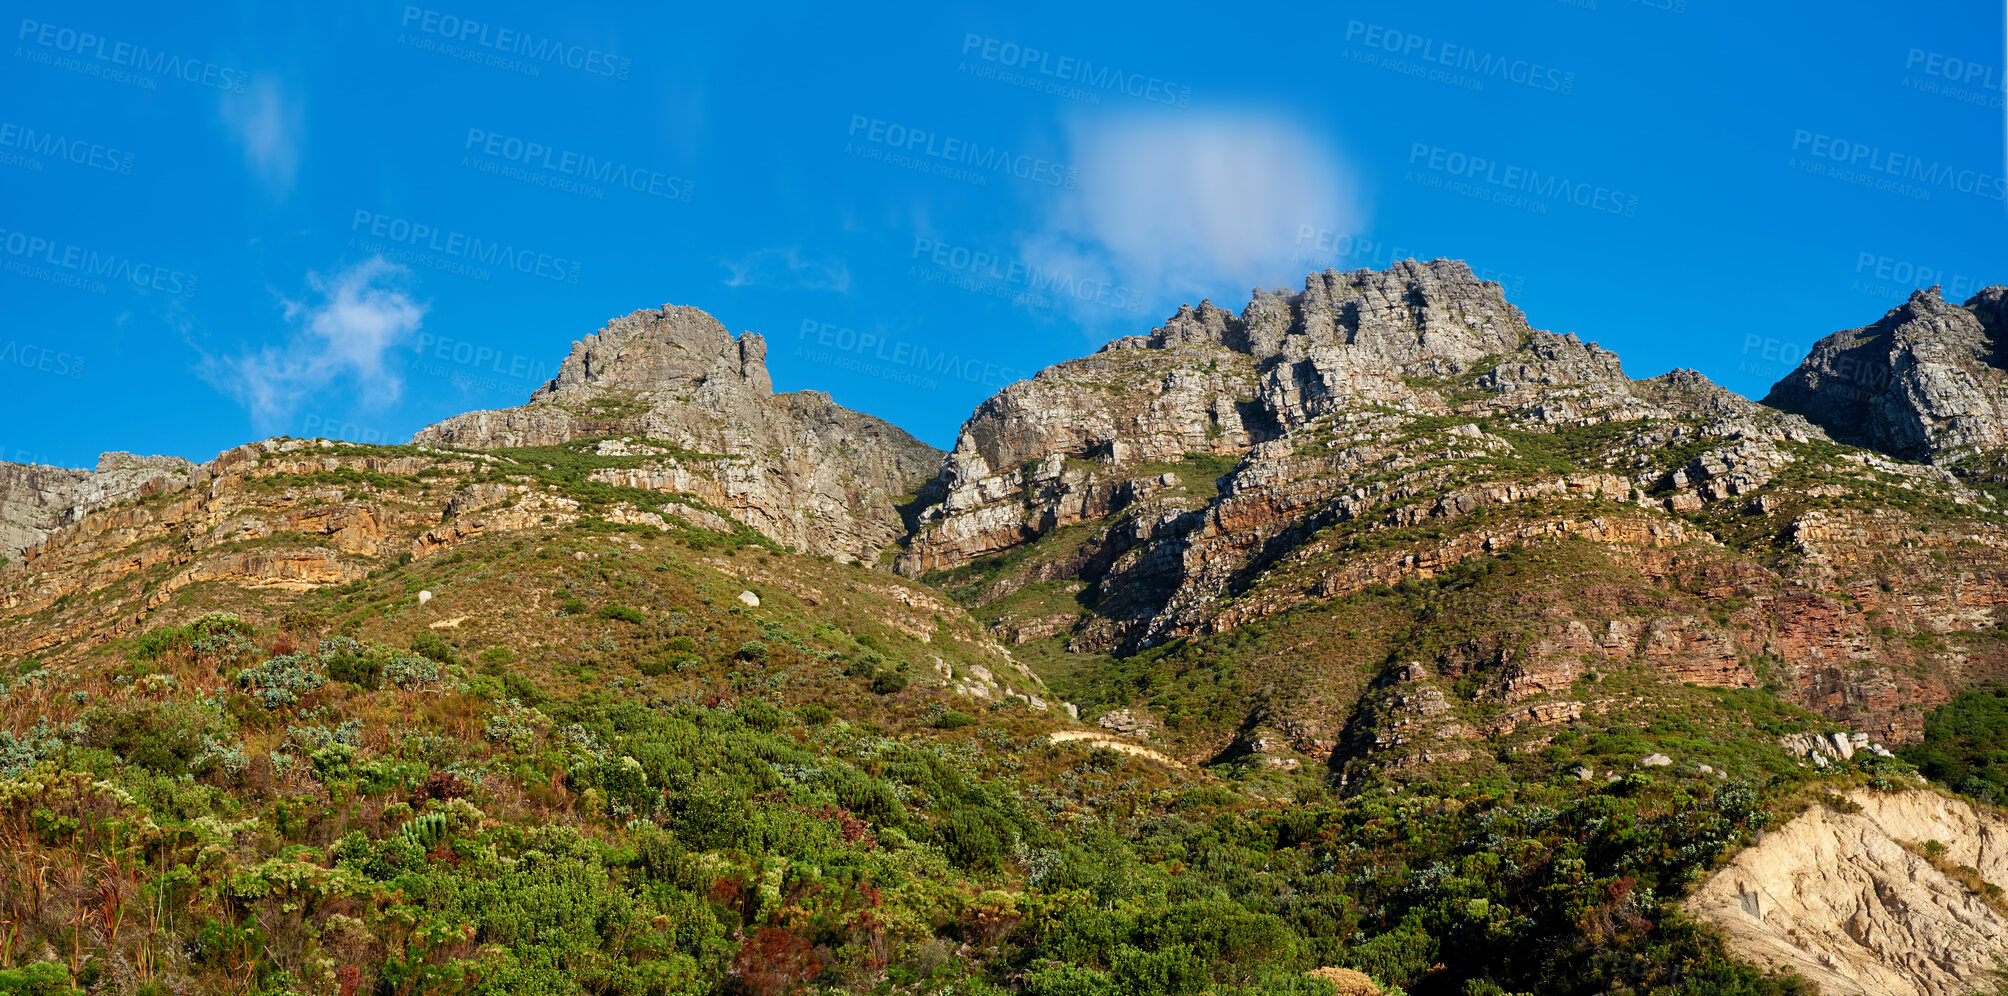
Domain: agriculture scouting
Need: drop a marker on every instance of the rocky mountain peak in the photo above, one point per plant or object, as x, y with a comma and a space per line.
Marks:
1211, 448
659, 349
1925, 382
797, 467
1410, 313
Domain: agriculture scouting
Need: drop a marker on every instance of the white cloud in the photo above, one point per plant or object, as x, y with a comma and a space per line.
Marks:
1184, 207
785, 269
269, 127
362, 314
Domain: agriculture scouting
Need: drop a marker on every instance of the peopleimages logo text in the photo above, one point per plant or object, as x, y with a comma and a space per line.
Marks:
1523, 180
564, 163
1908, 275
1035, 280
899, 353
516, 43
486, 359
90, 263
1955, 69
471, 248
42, 143
85, 45
962, 152
1909, 167
32, 357
1079, 72
1462, 58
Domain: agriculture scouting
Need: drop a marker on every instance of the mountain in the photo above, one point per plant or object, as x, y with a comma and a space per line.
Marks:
1299, 460
799, 468
1368, 637
1926, 383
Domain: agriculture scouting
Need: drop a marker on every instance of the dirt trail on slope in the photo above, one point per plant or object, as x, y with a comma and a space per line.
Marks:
1838, 897
1104, 740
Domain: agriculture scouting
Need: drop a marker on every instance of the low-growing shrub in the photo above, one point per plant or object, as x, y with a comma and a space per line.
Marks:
282, 680
430, 644
622, 613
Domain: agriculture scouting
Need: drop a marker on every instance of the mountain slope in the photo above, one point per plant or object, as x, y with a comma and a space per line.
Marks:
1379, 430
1411, 639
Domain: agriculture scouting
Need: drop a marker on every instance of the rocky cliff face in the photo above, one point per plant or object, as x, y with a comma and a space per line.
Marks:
1852, 902
1383, 427
799, 468
36, 500
1927, 382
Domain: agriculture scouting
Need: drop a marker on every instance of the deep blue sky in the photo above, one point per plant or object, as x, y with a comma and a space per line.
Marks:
1658, 180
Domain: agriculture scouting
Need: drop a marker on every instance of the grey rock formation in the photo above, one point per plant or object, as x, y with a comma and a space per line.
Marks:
1277, 397
1926, 382
799, 468
36, 500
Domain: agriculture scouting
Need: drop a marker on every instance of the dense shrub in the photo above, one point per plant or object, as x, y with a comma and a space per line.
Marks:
622, 613
1965, 745
281, 680
432, 645
42, 978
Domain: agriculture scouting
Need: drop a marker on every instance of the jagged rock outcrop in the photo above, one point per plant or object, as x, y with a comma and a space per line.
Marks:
1852, 902
1309, 390
799, 468
1376, 427
36, 500
1929, 381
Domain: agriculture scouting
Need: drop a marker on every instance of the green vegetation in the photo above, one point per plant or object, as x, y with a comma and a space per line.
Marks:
658, 790
583, 766
1965, 743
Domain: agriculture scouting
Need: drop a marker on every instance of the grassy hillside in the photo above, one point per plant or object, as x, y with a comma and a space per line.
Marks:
583, 756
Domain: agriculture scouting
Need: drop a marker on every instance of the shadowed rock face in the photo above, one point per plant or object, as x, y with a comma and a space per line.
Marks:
798, 467
1927, 382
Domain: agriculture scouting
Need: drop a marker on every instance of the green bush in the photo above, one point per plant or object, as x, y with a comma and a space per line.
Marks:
622, 613
347, 660
1965, 745
661, 664
42, 978
888, 680
282, 680
169, 739
430, 644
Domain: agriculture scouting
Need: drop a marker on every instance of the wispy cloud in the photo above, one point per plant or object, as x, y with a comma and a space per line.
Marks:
1187, 206
785, 269
341, 338
269, 126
